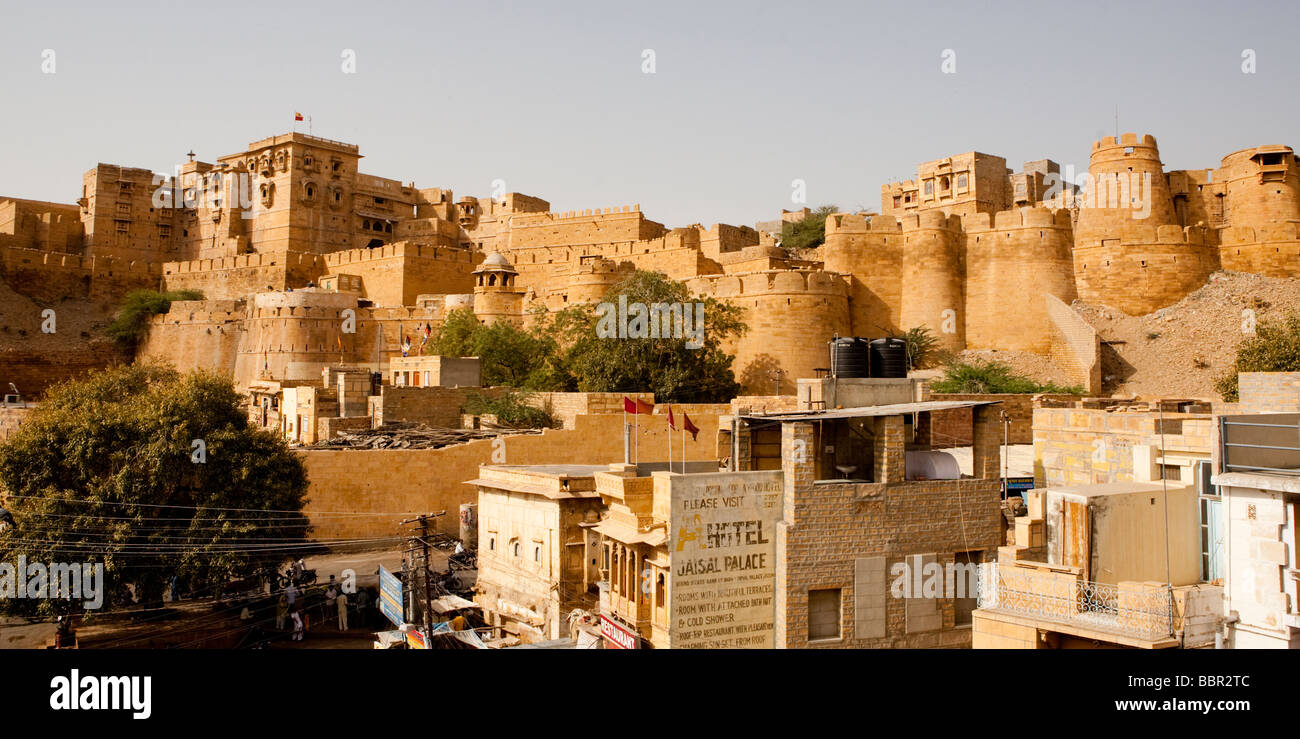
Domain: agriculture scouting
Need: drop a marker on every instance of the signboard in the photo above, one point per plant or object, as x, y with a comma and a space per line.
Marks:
722, 549
390, 596
618, 636
1019, 484
415, 640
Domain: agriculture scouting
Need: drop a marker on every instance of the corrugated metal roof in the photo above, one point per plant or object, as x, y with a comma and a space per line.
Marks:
870, 411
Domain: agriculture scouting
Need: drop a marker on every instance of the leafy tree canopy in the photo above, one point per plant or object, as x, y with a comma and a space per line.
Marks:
567, 350
105, 471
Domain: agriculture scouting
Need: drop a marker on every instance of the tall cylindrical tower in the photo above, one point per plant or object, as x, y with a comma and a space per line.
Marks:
933, 273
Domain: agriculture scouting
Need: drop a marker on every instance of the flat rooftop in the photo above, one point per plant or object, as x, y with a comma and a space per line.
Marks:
869, 411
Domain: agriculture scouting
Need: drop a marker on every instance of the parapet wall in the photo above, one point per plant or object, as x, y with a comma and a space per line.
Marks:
50, 277
1272, 250
790, 314
397, 274
1013, 260
231, 278
1146, 268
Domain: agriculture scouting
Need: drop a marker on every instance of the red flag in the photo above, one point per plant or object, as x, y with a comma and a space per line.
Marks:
637, 407
687, 425
672, 424
297, 116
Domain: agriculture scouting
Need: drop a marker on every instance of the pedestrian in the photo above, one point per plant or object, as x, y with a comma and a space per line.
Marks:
331, 595
291, 593
281, 612
298, 626
363, 600
342, 602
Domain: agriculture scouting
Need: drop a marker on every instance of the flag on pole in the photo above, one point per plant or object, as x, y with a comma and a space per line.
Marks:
688, 426
672, 426
637, 407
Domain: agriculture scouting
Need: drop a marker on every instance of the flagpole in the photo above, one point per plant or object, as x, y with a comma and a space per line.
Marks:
670, 440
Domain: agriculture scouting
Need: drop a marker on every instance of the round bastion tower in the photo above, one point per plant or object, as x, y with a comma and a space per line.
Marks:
1130, 251
1262, 212
497, 296
1126, 184
933, 294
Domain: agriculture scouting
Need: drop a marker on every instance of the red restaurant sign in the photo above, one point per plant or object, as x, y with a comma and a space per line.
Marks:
617, 636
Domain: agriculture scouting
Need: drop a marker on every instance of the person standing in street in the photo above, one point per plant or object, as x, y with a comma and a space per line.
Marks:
281, 612
342, 602
297, 626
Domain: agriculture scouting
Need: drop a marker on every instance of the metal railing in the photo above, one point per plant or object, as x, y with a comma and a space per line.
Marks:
1139, 610
1260, 443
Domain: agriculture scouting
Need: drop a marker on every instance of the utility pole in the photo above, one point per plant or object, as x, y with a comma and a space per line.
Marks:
422, 577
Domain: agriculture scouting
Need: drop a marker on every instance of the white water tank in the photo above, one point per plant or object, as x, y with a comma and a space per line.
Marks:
932, 465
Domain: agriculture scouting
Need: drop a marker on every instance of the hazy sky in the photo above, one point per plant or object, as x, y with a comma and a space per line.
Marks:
551, 97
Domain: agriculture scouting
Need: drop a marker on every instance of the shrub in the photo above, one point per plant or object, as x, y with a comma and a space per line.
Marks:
982, 378
132, 322
922, 347
807, 233
511, 409
1275, 347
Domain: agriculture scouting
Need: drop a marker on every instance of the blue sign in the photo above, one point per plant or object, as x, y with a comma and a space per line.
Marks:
390, 596
1018, 484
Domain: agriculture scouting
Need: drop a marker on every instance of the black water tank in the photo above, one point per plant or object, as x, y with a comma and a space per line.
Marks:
850, 358
888, 358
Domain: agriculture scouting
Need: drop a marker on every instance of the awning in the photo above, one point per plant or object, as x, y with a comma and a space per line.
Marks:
628, 535
449, 603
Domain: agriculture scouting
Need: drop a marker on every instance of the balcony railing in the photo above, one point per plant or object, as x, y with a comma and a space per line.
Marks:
1138, 609
1260, 443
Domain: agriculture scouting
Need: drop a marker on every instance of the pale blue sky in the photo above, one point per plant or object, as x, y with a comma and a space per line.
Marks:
550, 97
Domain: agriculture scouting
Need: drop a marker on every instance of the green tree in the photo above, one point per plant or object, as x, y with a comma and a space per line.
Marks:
809, 232
1275, 347
132, 322
106, 471
510, 355
675, 369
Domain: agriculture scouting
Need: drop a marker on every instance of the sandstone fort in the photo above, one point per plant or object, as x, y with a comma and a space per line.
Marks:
985, 257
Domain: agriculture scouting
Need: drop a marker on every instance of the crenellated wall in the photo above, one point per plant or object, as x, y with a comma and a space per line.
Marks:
934, 272
1145, 268
1014, 259
870, 251
1272, 249
791, 316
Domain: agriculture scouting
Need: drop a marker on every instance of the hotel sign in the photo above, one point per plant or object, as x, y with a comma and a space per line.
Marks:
722, 550
617, 636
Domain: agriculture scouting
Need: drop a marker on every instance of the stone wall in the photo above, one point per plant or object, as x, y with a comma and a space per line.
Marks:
1085, 446
392, 484
1268, 392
